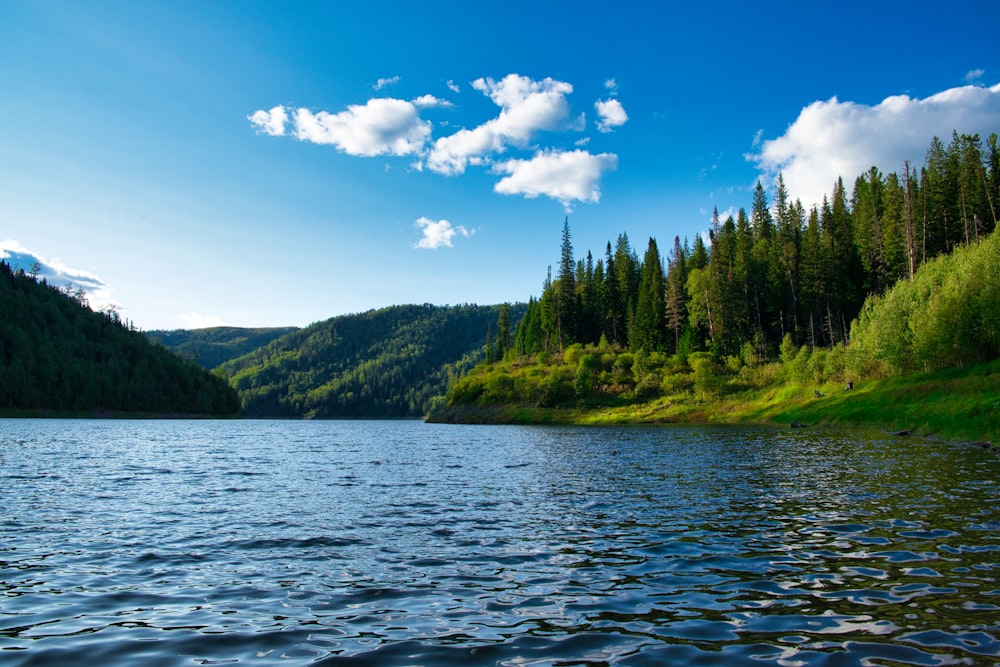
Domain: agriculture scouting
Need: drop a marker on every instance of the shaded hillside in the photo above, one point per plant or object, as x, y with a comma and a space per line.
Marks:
216, 345
58, 354
391, 362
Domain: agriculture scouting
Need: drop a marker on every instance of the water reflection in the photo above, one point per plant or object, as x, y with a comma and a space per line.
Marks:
405, 543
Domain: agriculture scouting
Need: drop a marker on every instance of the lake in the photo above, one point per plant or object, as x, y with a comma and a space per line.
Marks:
404, 543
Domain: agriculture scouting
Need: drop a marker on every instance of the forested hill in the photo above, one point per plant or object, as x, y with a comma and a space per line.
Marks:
776, 271
391, 362
215, 346
58, 354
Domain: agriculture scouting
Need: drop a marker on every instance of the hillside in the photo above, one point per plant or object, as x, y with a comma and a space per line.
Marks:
782, 306
56, 354
215, 346
924, 358
390, 362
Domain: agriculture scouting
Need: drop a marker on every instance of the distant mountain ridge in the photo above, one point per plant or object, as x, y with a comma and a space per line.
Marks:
214, 346
391, 362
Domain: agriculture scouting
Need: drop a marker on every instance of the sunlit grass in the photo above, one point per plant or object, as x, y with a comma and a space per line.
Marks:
955, 404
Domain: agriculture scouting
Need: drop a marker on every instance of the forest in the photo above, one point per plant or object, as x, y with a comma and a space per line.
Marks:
776, 271
389, 362
901, 277
56, 354
214, 346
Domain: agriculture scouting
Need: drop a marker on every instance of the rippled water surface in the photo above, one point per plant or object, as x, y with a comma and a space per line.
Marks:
403, 543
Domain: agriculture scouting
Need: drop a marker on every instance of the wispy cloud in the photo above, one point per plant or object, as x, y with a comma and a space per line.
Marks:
610, 114
437, 233
270, 122
612, 86
58, 274
975, 75
453, 86
382, 83
563, 176
834, 139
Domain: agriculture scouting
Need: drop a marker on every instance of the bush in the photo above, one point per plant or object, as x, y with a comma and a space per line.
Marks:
555, 389
708, 376
947, 315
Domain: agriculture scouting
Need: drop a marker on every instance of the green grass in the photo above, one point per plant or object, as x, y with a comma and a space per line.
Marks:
955, 404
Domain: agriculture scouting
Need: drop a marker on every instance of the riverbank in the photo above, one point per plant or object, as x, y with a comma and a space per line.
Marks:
961, 404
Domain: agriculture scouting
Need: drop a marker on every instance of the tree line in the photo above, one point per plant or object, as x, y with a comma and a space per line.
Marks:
58, 354
777, 273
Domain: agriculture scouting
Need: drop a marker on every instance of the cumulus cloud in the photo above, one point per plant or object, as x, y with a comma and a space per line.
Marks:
270, 122
526, 107
58, 274
383, 126
437, 233
382, 83
430, 102
563, 176
610, 114
834, 139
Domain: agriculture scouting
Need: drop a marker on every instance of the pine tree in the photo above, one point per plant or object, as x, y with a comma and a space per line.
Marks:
649, 324
675, 306
566, 298
613, 305
503, 342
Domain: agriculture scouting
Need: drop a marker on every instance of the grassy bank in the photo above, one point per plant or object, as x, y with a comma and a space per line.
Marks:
955, 404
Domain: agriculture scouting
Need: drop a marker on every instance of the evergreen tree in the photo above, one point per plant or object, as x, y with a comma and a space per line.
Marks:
503, 342
614, 305
649, 325
675, 305
566, 297
627, 268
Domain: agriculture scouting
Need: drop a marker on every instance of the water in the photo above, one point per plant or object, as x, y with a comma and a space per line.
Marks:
403, 543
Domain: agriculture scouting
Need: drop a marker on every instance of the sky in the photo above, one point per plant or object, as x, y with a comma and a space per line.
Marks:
251, 163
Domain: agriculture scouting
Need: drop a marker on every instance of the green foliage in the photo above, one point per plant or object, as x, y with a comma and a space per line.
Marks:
709, 376
57, 354
947, 315
390, 362
214, 346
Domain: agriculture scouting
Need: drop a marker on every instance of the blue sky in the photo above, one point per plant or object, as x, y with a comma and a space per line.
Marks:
266, 163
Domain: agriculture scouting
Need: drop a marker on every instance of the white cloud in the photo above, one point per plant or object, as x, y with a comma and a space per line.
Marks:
612, 86
974, 75
270, 122
199, 321
58, 274
563, 176
834, 139
438, 233
453, 86
430, 102
382, 83
611, 114
383, 126
526, 107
